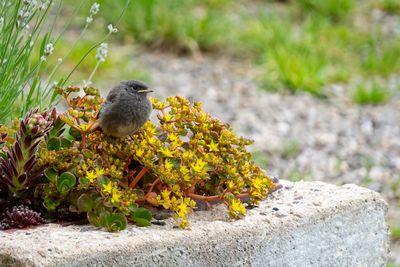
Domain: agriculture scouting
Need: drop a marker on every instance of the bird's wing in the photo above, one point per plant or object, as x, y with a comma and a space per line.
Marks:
113, 95
111, 98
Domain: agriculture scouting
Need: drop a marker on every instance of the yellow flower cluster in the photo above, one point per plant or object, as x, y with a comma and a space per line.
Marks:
187, 156
199, 156
181, 205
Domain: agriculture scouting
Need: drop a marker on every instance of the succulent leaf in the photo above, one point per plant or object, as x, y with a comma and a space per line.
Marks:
87, 201
65, 182
115, 222
54, 143
141, 216
17, 170
51, 174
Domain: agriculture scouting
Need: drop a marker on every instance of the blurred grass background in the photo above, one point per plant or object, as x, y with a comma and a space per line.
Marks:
300, 45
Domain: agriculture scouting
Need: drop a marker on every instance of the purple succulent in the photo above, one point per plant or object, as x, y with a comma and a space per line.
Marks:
20, 217
16, 171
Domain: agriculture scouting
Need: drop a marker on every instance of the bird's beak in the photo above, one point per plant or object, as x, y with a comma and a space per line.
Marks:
145, 91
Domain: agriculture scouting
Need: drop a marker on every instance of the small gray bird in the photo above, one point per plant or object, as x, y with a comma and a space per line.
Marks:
126, 109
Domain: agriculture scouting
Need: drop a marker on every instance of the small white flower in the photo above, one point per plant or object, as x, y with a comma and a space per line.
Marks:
60, 60
32, 3
89, 20
102, 52
31, 43
86, 83
48, 49
1, 22
21, 14
4, 61
44, 5
111, 28
94, 9
43, 58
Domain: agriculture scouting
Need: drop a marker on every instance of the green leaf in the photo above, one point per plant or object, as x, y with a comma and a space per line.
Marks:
54, 143
51, 204
141, 216
74, 133
87, 153
101, 180
87, 201
142, 222
132, 207
65, 182
115, 222
142, 213
66, 143
51, 174
94, 219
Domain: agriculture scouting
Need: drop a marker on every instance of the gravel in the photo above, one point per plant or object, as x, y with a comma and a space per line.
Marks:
296, 136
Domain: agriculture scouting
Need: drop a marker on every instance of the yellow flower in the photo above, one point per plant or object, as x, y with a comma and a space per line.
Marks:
91, 176
182, 210
184, 169
116, 196
231, 185
84, 127
257, 183
166, 152
236, 208
199, 166
187, 178
107, 188
168, 165
167, 117
99, 172
184, 223
213, 146
173, 137
165, 194
139, 152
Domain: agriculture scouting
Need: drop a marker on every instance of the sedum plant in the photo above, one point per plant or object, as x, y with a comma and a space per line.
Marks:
187, 157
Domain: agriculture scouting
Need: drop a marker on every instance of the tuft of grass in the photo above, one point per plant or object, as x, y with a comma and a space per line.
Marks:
302, 45
374, 94
178, 26
28, 70
291, 149
296, 175
261, 159
389, 6
395, 233
20, 34
336, 10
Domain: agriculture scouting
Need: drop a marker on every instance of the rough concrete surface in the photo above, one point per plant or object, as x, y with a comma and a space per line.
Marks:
304, 224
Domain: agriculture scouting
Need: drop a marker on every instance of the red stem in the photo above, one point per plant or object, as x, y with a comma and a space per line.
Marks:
138, 177
152, 186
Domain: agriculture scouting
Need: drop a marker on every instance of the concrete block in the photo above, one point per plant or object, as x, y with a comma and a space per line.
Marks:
304, 224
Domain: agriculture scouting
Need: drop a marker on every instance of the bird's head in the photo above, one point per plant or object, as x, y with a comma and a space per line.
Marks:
136, 87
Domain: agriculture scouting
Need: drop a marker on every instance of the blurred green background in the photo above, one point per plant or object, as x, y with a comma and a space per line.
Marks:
302, 45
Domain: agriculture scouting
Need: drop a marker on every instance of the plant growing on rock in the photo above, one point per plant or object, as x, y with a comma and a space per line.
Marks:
19, 173
186, 158
20, 217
